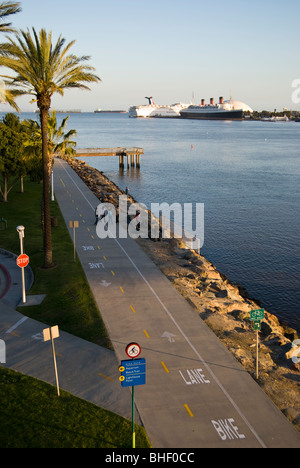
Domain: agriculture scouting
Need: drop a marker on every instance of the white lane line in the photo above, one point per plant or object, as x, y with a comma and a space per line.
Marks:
179, 328
16, 325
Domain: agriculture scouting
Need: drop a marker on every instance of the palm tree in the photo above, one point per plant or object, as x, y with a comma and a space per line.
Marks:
42, 69
59, 141
7, 9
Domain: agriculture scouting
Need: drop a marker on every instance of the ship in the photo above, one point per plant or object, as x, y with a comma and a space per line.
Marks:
110, 111
276, 119
70, 111
224, 110
152, 110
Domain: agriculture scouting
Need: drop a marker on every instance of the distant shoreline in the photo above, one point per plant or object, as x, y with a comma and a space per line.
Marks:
294, 116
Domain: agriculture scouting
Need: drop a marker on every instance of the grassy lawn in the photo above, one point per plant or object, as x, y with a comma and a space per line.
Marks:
32, 416
31, 413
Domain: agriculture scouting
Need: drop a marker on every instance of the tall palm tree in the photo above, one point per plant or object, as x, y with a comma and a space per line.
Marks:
7, 9
43, 68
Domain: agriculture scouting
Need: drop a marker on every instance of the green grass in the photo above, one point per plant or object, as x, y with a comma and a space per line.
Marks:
31, 414
69, 302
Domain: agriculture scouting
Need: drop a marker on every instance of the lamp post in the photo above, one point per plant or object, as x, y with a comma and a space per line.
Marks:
21, 230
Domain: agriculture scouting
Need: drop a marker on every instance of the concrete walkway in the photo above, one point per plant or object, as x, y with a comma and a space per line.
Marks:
196, 393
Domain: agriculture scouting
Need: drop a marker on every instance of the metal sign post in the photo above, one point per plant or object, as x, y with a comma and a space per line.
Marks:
52, 186
21, 261
51, 334
74, 225
256, 316
133, 373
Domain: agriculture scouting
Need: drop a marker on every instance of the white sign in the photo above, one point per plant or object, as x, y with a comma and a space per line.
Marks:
133, 350
54, 333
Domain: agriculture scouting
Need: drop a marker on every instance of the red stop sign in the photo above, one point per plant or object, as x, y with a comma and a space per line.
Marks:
22, 261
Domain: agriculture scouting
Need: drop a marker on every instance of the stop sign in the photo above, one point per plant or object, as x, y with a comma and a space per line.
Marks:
22, 261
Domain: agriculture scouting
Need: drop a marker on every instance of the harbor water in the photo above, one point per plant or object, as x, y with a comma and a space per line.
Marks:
247, 174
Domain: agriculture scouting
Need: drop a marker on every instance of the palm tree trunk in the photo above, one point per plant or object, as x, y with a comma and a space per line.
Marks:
48, 258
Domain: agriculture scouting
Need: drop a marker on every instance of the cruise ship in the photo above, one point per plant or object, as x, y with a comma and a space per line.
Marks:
224, 110
153, 110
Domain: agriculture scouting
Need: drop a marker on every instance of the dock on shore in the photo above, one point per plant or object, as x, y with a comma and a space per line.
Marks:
133, 155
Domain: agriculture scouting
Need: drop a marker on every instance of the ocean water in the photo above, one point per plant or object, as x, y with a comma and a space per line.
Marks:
246, 173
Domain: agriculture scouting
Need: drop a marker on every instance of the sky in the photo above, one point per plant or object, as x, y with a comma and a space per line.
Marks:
174, 50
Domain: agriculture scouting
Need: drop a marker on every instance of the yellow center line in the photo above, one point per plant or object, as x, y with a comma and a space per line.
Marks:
105, 377
165, 367
122, 290
147, 336
15, 334
113, 273
133, 310
189, 411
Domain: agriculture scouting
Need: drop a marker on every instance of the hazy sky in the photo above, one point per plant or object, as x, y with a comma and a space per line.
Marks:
170, 49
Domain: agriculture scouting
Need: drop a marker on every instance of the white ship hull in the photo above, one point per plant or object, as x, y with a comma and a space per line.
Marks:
157, 111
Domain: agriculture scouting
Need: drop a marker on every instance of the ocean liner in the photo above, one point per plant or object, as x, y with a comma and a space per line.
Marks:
228, 110
153, 110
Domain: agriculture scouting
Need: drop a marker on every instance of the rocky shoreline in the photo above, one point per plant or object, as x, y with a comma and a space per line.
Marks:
225, 307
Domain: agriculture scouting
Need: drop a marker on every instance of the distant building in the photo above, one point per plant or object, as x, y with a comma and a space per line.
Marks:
240, 105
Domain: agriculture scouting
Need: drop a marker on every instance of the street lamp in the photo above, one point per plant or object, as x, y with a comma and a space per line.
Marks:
21, 230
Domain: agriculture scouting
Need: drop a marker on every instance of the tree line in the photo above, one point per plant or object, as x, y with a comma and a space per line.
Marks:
40, 67
21, 149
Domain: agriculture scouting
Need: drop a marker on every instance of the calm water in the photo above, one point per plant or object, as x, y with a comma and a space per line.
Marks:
246, 173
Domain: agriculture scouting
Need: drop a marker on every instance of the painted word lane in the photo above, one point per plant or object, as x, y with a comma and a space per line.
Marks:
194, 377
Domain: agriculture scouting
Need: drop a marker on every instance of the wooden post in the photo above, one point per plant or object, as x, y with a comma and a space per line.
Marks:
121, 161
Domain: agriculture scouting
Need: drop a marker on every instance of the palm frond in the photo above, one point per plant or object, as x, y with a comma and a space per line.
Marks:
8, 9
44, 68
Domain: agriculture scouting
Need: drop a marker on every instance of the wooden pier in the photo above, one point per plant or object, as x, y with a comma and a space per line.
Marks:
133, 155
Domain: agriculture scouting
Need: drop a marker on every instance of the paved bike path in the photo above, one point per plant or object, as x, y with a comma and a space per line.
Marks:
196, 394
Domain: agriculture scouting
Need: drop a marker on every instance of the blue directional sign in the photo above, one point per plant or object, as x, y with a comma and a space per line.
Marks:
133, 372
